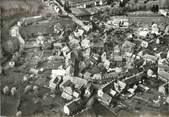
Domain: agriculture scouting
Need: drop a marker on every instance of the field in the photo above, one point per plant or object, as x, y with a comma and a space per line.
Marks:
20, 7
11, 11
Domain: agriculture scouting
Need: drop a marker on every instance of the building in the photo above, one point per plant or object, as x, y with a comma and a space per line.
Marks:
78, 82
163, 73
74, 106
133, 79
58, 72
107, 77
105, 99
118, 21
150, 57
83, 3
67, 93
30, 20
89, 89
128, 46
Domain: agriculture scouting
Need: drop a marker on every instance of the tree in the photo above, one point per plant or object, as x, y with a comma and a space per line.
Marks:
155, 8
67, 6
109, 2
122, 4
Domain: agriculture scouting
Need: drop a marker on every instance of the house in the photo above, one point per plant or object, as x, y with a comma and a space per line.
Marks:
142, 32
87, 75
88, 90
54, 82
66, 96
97, 46
128, 46
118, 21
70, 90
78, 82
155, 29
30, 20
164, 89
74, 106
67, 93
58, 72
150, 57
133, 79
105, 99
107, 77
163, 72
105, 88
76, 94
163, 12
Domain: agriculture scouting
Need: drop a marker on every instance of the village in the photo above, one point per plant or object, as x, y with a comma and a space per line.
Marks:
87, 58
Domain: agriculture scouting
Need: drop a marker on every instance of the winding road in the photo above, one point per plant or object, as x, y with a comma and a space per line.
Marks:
74, 18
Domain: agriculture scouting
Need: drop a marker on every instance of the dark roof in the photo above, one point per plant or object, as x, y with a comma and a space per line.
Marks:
68, 83
80, 12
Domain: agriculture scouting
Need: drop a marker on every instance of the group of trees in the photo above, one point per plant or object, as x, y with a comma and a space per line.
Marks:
67, 6
153, 5
155, 8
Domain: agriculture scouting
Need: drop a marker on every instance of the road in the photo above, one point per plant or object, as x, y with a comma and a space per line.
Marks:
74, 18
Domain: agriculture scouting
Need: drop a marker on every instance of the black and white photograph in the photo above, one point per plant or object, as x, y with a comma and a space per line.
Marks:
84, 58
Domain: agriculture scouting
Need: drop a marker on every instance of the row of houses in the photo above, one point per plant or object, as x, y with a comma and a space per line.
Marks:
83, 3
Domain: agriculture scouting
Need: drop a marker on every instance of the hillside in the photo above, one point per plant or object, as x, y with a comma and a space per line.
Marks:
20, 7
11, 11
